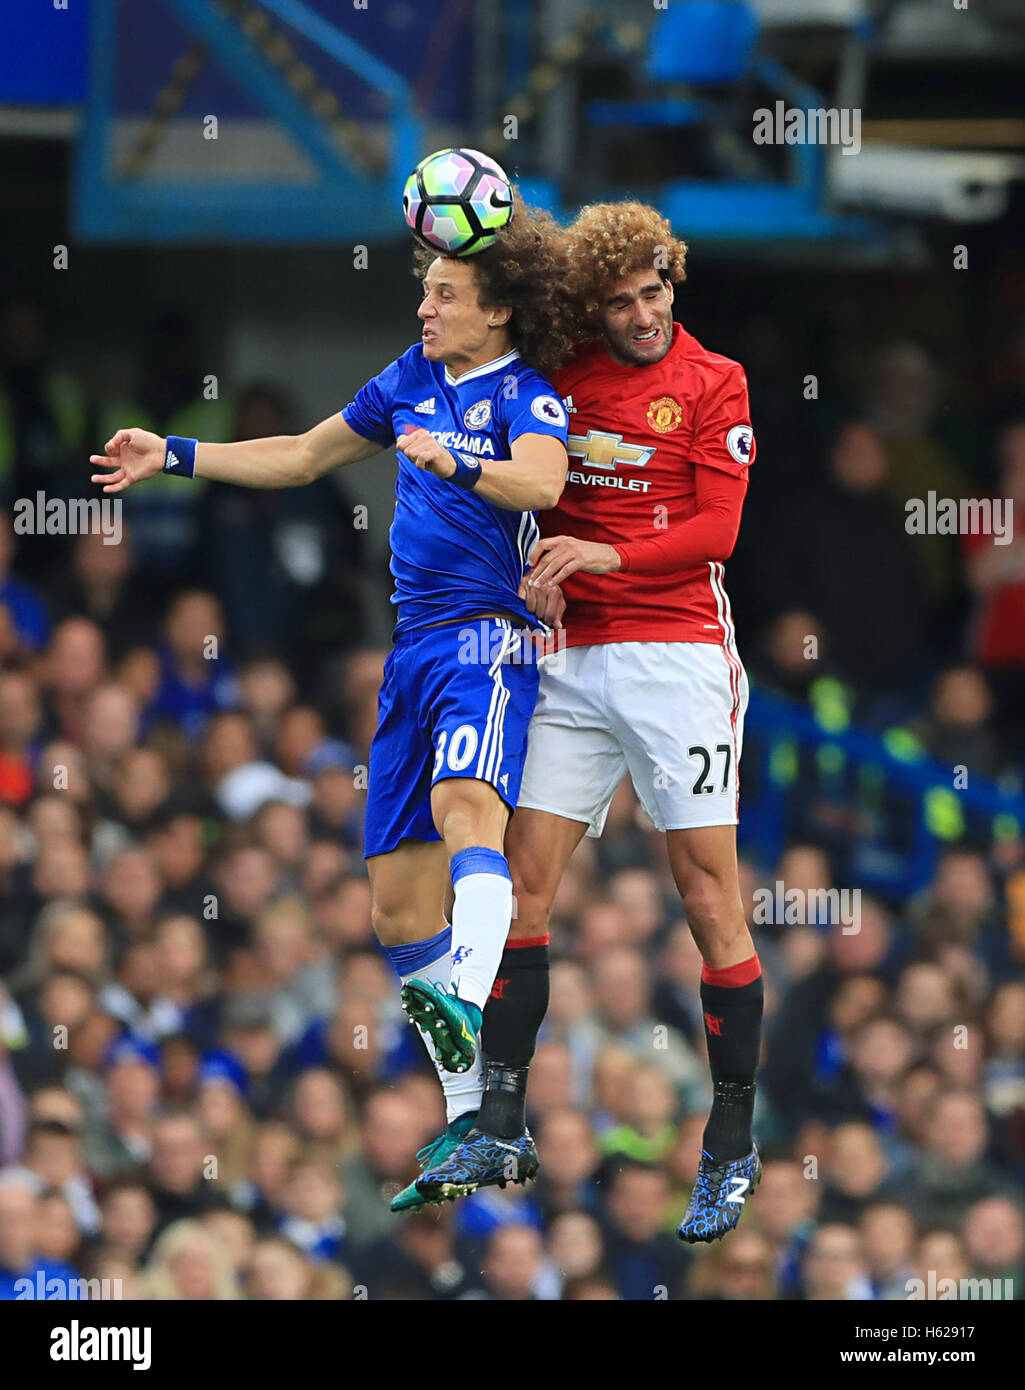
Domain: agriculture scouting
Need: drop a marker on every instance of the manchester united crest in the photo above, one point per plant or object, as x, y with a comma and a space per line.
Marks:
665, 414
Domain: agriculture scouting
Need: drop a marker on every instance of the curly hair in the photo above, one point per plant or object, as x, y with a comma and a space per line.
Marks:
608, 242
525, 268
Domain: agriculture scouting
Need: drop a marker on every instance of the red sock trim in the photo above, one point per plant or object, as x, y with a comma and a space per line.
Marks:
528, 941
733, 976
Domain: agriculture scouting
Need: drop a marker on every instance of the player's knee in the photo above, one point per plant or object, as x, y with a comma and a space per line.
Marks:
715, 917
469, 813
707, 901
395, 923
532, 905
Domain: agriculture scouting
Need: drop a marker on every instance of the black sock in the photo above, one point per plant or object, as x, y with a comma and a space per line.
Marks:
733, 1024
503, 1107
514, 1013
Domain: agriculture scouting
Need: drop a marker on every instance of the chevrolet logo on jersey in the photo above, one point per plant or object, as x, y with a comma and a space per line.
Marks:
602, 450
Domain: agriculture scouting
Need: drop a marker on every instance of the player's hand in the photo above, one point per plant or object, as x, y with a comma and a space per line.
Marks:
133, 455
547, 603
421, 448
554, 559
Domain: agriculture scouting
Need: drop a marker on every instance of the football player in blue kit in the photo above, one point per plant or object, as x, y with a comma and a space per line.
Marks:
480, 436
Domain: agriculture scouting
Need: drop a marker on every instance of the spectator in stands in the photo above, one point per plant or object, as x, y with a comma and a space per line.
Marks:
322, 1116
74, 666
284, 563
576, 1246
248, 1035
174, 395
835, 1266
958, 728
227, 1123
178, 1168
420, 1260
20, 1257
623, 1018
58, 1239
175, 839
996, 573
808, 1052
872, 614
738, 1271
260, 1195
854, 1173
188, 1263
392, 1132
130, 892
514, 1265
939, 1256
267, 691
279, 1272
42, 422
647, 1132
122, 1142
994, 1238
129, 1217
1004, 1076
53, 1156
888, 1238
66, 936
678, 984
866, 1088
952, 1173
106, 584
960, 908
312, 1209
235, 1232
903, 405
140, 789
25, 606
569, 1159
787, 1206
20, 729
645, 1259
110, 728
16, 893
244, 882
197, 677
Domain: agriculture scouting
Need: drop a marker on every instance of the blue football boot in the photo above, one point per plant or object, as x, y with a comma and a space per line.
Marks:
445, 1145
720, 1192
481, 1160
451, 1024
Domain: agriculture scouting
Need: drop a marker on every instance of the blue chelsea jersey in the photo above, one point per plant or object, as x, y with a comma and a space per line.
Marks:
454, 554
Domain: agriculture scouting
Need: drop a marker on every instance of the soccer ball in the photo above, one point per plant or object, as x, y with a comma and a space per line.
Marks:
457, 201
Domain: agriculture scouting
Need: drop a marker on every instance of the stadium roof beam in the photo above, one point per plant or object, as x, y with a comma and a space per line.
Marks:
346, 201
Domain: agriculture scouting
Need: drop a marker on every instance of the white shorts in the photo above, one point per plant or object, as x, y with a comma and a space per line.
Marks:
669, 713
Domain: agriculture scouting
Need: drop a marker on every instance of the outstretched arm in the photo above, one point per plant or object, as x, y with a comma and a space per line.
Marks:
287, 460
710, 535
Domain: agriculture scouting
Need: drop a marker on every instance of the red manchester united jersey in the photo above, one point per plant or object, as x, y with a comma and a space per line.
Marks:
635, 436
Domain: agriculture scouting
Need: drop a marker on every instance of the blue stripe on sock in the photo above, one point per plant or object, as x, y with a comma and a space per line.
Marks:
478, 860
417, 955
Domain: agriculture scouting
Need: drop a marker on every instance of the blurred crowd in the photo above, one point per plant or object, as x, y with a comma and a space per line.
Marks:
208, 1088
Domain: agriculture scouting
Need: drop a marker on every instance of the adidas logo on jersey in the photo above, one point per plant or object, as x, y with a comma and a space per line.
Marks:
426, 407
570, 407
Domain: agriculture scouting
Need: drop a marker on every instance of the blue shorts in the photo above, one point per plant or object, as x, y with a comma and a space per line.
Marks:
456, 702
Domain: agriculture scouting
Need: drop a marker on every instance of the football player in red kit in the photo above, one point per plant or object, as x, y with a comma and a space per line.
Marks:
650, 683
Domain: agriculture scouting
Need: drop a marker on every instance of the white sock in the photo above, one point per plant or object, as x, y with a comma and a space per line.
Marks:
480, 921
431, 961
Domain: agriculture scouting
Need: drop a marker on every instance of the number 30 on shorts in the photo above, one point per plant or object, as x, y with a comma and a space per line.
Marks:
703, 784
461, 750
